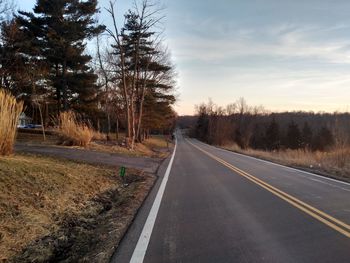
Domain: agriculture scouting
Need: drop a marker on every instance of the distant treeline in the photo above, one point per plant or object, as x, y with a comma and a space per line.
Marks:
255, 127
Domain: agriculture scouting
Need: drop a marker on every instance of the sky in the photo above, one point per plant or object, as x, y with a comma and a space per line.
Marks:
285, 55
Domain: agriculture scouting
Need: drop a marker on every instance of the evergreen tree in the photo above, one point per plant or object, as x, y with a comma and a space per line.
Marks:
158, 115
147, 63
323, 140
306, 136
145, 70
60, 29
22, 70
272, 136
293, 140
202, 125
12, 63
258, 137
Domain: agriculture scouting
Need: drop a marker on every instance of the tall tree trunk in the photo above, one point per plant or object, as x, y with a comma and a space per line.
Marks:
139, 121
58, 93
108, 125
117, 130
64, 85
132, 124
143, 93
42, 121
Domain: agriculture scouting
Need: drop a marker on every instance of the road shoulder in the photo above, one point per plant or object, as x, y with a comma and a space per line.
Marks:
127, 245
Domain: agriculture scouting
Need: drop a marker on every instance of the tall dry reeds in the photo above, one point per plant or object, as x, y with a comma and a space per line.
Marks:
10, 109
72, 131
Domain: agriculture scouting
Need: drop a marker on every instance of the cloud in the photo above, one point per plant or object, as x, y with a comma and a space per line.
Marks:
284, 67
284, 42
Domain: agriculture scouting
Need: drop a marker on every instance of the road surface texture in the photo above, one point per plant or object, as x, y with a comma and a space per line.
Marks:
218, 206
146, 164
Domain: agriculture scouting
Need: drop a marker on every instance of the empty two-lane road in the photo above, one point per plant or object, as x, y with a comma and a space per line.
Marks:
218, 206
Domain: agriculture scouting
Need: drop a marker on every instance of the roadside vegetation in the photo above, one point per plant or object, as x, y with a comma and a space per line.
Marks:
335, 162
72, 131
44, 199
10, 110
314, 141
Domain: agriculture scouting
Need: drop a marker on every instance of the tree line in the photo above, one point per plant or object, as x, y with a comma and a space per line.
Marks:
128, 82
257, 128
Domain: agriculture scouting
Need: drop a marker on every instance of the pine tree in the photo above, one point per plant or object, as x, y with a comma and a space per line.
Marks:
12, 63
272, 136
22, 70
139, 53
202, 125
258, 140
144, 69
158, 115
306, 136
323, 140
293, 140
60, 29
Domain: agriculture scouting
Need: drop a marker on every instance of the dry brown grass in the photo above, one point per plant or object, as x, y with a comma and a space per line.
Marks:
157, 141
10, 109
99, 136
74, 132
36, 192
36, 139
335, 162
155, 146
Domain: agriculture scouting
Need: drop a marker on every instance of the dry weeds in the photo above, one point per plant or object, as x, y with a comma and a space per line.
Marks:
155, 146
99, 136
335, 162
35, 192
74, 132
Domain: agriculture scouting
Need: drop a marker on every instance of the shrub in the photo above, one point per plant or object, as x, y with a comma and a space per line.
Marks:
10, 109
72, 131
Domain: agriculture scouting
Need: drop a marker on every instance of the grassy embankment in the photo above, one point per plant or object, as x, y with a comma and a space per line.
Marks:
335, 162
44, 200
47, 205
52, 209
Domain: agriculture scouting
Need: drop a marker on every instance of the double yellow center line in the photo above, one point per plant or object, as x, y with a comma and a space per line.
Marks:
321, 216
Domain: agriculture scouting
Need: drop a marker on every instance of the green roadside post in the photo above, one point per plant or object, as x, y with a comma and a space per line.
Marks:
122, 171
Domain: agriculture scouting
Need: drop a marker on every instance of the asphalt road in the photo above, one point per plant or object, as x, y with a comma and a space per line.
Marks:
146, 164
219, 206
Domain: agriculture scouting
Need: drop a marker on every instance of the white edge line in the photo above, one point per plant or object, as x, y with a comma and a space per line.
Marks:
142, 244
280, 165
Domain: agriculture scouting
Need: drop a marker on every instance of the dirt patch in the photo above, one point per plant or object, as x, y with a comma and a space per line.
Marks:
93, 234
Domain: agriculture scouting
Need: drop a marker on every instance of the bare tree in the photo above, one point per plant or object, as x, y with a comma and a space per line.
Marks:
106, 79
120, 64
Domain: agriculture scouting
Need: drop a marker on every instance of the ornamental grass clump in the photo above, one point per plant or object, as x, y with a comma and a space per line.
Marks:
73, 132
10, 110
